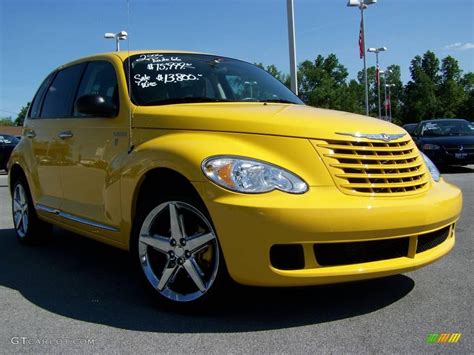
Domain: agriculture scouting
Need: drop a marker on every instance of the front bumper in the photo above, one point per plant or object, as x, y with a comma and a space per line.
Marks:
249, 225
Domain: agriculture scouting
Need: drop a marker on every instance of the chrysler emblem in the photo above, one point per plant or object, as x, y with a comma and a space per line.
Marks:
461, 148
380, 136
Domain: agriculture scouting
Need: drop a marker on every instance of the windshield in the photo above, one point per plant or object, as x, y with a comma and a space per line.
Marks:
160, 79
447, 128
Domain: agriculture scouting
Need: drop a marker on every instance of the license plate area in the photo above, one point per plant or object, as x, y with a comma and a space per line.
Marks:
460, 155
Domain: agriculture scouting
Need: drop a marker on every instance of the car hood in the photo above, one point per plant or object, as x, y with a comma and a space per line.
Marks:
258, 118
451, 140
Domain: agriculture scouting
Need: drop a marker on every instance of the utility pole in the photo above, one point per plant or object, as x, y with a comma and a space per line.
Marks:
292, 45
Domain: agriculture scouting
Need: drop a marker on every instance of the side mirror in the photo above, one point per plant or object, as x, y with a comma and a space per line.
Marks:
95, 105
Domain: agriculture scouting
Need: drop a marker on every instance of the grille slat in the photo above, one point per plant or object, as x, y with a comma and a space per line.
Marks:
375, 168
416, 165
380, 185
373, 157
396, 175
368, 149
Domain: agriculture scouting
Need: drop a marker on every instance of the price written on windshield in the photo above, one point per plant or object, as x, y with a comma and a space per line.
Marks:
177, 77
169, 66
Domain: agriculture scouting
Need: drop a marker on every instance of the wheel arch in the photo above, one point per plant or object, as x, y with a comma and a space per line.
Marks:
160, 181
16, 171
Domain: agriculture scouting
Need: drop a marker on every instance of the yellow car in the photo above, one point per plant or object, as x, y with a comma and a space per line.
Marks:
206, 167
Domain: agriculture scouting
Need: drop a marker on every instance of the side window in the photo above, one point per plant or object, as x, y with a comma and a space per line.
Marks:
35, 107
60, 95
99, 79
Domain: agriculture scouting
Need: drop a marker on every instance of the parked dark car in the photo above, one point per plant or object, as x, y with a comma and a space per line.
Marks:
7, 143
410, 127
446, 141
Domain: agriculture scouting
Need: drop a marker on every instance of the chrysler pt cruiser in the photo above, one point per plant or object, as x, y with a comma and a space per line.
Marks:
206, 167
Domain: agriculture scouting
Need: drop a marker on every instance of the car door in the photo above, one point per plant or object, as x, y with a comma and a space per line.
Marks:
96, 144
52, 103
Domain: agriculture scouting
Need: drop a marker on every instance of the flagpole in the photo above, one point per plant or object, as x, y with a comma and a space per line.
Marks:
362, 7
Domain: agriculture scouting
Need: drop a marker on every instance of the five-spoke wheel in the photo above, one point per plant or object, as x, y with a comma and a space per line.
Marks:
20, 210
28, 228
178, 251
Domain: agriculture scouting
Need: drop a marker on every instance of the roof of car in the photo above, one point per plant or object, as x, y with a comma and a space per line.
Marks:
446, 120
125, 54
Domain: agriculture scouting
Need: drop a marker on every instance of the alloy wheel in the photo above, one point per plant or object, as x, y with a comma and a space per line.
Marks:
178, 251
20, 210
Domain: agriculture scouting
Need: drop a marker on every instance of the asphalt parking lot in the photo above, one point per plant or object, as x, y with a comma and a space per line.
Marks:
77, 296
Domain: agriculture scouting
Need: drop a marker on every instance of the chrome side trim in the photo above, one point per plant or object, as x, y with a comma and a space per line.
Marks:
47, 209
73, 218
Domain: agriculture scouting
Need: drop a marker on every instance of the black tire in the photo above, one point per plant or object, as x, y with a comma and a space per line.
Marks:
175, 296
29, 228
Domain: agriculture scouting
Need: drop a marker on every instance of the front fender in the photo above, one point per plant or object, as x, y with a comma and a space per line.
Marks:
184, 151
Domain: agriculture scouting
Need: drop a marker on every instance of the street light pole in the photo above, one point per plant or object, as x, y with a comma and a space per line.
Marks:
292, 45
377, 73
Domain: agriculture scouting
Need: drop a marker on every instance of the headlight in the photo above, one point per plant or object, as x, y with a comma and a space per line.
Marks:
431, 147
435, 174
251, 176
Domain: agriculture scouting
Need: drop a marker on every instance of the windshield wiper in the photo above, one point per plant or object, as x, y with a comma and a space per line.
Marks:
184, 100
279, 101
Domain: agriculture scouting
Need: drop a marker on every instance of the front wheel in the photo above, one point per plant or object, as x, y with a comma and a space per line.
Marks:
178, 252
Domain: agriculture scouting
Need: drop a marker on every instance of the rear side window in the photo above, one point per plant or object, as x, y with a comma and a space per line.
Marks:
99, 79
36, 105
60, 95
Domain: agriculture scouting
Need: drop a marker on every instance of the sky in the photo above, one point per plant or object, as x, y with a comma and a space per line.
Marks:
36, 36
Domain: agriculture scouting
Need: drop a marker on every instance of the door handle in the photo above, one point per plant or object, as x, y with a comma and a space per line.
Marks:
31, 134
65, 134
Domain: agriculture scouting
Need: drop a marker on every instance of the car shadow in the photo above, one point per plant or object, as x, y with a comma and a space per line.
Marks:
81, 279
457, 169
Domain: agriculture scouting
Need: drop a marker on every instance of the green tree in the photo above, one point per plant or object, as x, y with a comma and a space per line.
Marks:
420, 96
322, 83
466, 108
21, 116
451, 93
6, 121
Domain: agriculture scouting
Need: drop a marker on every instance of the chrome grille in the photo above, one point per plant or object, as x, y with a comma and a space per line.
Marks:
375, 168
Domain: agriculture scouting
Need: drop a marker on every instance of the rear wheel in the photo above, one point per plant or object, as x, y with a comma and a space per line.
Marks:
28, 228
176, 247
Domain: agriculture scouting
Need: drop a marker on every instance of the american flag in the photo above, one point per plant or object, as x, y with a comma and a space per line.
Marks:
361, 40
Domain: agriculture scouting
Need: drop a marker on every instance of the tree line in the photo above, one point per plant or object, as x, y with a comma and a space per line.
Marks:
437, 89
